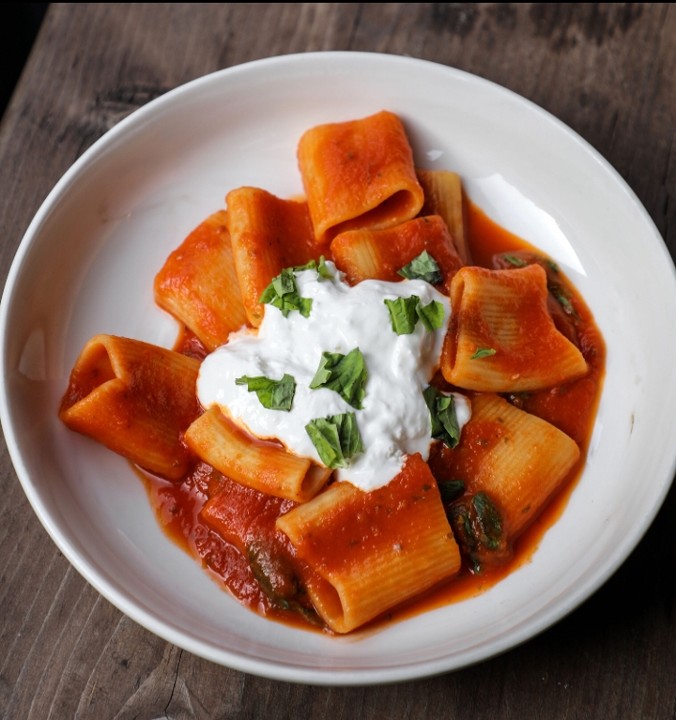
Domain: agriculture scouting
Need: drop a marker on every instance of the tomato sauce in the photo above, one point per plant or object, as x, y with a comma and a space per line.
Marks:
193, 511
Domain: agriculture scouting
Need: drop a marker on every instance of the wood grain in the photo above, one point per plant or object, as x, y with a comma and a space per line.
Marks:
609, 72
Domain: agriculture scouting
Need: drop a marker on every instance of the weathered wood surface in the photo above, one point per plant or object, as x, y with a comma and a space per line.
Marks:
608, 71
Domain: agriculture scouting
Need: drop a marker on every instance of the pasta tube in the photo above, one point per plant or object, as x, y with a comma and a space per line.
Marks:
502, 337
136, 399
371, 551
512, 463
198, 284
358, 174
444, 196
264, 466
381, 254
268, 234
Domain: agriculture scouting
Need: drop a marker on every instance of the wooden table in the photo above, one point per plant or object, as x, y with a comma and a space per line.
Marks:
609, 72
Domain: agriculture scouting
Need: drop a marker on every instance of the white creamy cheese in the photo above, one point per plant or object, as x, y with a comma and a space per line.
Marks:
394, 420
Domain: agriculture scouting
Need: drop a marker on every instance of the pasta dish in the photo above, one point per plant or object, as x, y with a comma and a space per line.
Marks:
376, 391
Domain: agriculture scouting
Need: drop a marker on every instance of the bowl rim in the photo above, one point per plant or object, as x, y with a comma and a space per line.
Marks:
273, 669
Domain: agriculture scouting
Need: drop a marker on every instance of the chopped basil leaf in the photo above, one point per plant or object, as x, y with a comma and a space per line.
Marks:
423, 267
309, 265
478, 529
432, 315
451, 490
285, 282
346, 374
490, 520
320, 266
323, 270
272, 394
482, 353
283, 294
443, 416
515, 260
562, 298
336, 438
403, 314
273, 572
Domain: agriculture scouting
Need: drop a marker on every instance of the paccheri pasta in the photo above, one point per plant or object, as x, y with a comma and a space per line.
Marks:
375, 392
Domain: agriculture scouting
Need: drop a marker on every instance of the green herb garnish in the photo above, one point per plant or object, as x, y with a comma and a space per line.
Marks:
562, 298
490, 520
443, 416
345, 374
478, 529
405, 313
318, 265
283, 294
424, 267
515, 260
451, 490
482, 353
431, 315
272, 394
336, 438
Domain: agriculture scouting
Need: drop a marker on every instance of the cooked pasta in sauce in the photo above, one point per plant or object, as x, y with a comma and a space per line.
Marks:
498, 353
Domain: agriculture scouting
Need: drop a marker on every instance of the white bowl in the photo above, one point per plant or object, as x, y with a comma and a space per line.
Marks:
87, 262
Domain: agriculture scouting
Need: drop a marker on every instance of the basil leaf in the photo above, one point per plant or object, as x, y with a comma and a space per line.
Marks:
285, 283
320, 266
451, 490
272, 394
432, 315
478, 528
323, 269
403, 314
350, 437
423, 267
325, 438
515, 260
490, 520
283, 294
445, 425
482, 353
336, 438
309, 265
562, 298
345, 374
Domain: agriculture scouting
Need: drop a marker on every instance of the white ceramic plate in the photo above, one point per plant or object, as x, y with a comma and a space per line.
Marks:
130, 199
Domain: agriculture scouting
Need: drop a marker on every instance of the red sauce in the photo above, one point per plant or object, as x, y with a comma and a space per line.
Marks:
180, 506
